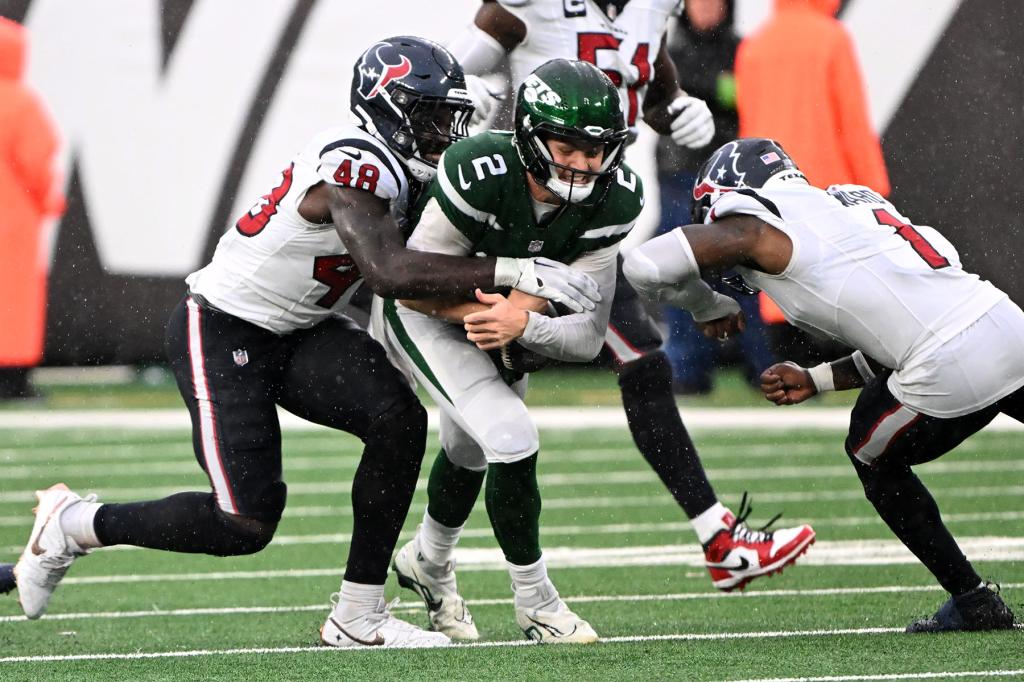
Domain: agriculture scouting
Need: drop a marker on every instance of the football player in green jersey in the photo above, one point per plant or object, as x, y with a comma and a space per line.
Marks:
557, 188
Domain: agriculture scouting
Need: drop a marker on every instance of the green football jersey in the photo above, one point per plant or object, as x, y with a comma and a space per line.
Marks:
481, 187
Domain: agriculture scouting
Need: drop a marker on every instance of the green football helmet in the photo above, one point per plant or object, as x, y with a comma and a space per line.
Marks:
575, 102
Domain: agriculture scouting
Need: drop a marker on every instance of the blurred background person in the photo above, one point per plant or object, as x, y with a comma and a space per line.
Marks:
29, 196
703, 47
798, 82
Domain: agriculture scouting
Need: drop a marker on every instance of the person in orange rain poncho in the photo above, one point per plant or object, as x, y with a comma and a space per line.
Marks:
29, 194
798, 82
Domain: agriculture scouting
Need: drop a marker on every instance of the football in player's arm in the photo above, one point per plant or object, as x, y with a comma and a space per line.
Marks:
556, 187
261, 327
937, 350
626, 40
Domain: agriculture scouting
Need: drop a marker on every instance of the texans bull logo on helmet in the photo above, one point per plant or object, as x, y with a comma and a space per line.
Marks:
381, 65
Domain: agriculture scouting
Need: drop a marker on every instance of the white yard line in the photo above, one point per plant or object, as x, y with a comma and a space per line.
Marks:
895, 676
343, 510
576, 530
546, 417
596, 479
681, 637
823, 553
577, 599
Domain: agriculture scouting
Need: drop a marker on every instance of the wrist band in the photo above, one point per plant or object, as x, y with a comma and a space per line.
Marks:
822, 377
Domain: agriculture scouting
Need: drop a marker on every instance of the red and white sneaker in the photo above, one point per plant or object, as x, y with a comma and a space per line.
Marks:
737, 554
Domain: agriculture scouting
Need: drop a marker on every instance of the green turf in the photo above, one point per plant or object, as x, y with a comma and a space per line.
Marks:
599, 494
563, 385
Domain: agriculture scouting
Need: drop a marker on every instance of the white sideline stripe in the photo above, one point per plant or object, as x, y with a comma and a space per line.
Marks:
563, 503
730, 419
894, 676
823, 553
578, 599
681, 637
595, 529
598, 478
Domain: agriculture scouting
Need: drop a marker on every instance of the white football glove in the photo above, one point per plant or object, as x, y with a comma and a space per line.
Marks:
693, 125
485, 100
549, 279
719, 306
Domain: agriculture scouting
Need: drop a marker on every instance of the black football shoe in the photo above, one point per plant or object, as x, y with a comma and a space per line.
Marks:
6, 578
980, 609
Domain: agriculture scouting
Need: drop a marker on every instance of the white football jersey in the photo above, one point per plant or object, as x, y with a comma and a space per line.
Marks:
281, 272
862, 274
624, 46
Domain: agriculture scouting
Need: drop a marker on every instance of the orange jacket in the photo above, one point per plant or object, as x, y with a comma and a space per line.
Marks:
798, 82
28, 195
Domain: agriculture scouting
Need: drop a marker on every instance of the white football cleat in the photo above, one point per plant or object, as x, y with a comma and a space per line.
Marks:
556, 626
49, 552
379, 628
436, 586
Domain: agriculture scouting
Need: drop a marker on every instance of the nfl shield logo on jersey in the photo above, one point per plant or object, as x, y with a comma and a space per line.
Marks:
535, 246
241, 357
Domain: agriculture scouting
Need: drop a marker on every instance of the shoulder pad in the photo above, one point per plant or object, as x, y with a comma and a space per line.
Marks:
745, 201
362, 164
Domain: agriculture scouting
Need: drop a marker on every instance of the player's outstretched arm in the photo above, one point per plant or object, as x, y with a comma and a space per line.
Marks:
375, 243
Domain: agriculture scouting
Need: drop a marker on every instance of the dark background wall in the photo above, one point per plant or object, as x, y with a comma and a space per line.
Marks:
954, 150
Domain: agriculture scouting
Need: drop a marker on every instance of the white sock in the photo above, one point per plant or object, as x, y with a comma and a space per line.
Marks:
356, 600
436, 541
533, 588
710, 521
77, 522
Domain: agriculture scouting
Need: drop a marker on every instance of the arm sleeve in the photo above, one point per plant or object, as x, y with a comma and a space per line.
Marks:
665, 270
860, 145
477, 51
577, 337
435, 233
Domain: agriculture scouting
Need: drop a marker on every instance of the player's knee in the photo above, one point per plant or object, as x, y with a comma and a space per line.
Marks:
246, 534
465, 453
511, 440
647, 375
401, 432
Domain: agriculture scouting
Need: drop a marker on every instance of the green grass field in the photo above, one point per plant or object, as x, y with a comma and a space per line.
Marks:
621, 553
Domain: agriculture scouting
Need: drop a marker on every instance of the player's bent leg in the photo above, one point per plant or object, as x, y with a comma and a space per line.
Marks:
737, 554
734, 554
190, 523
340, 377
659, 433
885, 439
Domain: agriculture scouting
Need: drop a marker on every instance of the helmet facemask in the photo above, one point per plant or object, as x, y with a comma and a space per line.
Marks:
580, 183
429, 126
410, 93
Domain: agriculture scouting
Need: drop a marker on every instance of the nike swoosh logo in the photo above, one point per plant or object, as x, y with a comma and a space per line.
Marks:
354, 154
378, 639
36, 549
741, 566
